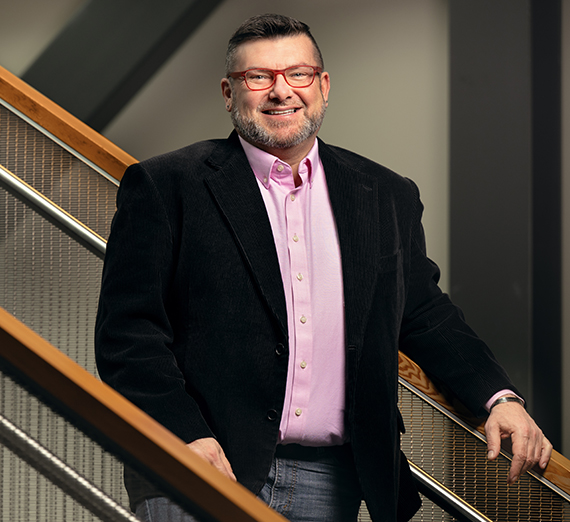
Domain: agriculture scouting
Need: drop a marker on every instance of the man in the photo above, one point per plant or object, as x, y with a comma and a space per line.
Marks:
256, 291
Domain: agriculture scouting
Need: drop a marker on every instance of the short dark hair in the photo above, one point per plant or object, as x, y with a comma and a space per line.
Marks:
268, 26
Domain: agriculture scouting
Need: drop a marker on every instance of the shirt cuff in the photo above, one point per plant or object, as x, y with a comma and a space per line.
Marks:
499, 394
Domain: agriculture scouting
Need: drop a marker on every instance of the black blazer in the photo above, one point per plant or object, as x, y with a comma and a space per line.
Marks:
192, 323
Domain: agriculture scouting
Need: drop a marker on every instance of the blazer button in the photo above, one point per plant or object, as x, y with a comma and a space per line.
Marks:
271, 415
280, 349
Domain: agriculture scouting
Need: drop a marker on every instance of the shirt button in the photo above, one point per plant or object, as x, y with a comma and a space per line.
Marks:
303, 319
300, 277
295, 238
280, 168
292, 197
298, 412
303, 364
265, 179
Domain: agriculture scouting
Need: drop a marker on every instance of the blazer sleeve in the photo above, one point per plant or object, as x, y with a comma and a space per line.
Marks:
435, 335
134, 334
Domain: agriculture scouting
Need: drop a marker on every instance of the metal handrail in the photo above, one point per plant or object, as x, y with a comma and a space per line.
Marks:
428, 486
60, 474
53, 213
445, 498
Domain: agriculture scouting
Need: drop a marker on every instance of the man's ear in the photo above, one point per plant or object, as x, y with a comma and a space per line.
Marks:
325, 86
227, 93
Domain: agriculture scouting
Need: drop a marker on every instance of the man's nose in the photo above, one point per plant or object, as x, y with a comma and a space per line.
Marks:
280, 89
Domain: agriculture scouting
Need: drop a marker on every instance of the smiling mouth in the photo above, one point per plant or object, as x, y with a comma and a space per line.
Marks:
276, 112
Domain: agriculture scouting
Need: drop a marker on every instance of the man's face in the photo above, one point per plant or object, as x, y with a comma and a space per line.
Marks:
281, 117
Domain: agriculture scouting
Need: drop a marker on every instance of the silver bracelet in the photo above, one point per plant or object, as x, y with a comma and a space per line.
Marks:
501, 400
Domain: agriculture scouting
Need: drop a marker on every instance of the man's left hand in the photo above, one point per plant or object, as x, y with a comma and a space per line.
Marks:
529, 445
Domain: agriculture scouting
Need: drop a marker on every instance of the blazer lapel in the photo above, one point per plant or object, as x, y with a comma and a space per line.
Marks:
354, 199
233, 186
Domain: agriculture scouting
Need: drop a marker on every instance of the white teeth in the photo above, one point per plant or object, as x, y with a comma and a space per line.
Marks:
290, 111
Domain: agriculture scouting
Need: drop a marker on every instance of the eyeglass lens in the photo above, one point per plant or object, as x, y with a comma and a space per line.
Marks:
299, 76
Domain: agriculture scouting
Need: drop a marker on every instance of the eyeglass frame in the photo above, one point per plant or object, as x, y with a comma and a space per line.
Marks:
316, 70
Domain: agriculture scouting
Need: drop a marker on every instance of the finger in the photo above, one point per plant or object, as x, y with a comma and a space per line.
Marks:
210, 450
537, 443
516, 469
227, 468
538, 448
546, 453
222, 464
531, 455
218, 459
520, 459
493, 440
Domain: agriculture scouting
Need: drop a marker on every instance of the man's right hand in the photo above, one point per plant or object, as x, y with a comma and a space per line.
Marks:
209, 449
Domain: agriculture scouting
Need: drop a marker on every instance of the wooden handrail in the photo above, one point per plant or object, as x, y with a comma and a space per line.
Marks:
119, 422
63, 125
558, 469
109, 412
142, 439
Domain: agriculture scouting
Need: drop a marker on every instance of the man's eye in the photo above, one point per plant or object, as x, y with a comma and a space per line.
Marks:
258, 76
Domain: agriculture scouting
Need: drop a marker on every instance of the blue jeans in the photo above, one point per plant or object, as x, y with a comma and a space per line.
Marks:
321, 486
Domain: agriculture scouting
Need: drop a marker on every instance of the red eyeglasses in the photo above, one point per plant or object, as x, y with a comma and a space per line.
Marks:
297, 76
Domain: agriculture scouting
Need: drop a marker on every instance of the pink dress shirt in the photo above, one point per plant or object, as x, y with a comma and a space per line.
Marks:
308, 249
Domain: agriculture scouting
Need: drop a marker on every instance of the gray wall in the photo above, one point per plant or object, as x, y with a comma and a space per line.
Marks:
28, 26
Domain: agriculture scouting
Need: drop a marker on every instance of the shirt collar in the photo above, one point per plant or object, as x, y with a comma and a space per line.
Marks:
268, 168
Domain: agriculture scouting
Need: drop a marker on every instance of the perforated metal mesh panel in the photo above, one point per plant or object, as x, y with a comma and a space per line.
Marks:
458, 460
429, 512
25, 495
57, 174
51, 284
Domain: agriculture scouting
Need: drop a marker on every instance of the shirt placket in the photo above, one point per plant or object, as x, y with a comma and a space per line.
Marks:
302, 308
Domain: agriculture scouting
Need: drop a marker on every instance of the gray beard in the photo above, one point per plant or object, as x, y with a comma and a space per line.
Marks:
252, 131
